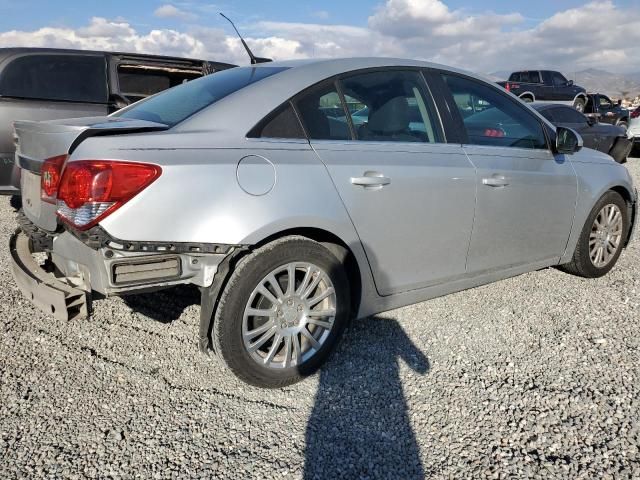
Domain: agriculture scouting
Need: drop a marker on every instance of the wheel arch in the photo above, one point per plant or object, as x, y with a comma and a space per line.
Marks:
336, 245
528, 94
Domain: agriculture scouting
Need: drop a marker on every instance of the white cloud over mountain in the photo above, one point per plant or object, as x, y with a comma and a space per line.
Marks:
426, 29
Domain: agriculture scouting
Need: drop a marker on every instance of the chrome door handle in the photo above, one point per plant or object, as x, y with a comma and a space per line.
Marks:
371, 179
495, 181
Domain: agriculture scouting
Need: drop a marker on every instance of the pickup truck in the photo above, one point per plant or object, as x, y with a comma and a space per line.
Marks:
604, 110
546, 86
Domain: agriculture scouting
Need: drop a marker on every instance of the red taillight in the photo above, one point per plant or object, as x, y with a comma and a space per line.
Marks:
635, 113
508, 87
50, 177
92, 189
494, 132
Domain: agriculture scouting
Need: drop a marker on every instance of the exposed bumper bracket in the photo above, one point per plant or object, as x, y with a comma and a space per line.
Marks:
48, 293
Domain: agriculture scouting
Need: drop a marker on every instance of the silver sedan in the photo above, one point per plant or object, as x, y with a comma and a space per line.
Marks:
299, 195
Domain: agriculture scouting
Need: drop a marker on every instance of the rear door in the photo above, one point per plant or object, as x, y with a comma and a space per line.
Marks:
410, 195
525, 195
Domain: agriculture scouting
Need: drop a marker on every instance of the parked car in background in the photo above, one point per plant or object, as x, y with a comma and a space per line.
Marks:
610, 139
45, 84
633, 129
292, 218
546, 85
605, 110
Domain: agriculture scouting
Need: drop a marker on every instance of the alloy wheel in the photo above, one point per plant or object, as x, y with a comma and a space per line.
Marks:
606, 235
289, 315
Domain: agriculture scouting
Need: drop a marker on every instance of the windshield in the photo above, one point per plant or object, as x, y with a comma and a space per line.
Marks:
179, 103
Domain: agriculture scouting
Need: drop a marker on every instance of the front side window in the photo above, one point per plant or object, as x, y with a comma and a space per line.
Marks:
323, 114
491, 118
179, 103
534, 77
559, 80
390, 106
72, 78
605, 103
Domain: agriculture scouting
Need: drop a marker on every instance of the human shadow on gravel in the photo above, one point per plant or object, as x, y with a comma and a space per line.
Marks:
165, 306
359, 426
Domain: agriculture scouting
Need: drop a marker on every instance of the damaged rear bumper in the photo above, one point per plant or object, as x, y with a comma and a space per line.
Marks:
49, 293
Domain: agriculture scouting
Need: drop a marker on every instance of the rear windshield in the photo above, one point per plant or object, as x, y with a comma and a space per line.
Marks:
177, 104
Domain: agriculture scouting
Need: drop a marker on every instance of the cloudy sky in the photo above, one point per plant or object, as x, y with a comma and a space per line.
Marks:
500, 35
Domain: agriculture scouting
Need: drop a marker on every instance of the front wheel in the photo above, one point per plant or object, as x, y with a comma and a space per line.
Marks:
282, 312
602, 238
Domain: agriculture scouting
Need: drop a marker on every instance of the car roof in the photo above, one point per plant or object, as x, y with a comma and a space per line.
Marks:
11, 51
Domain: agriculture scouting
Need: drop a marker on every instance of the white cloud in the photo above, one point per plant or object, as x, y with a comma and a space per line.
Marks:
425, 29
171, 11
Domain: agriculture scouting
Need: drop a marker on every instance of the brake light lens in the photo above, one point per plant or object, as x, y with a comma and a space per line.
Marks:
90, 190
50, 177
494, 132
507, 87
635, 113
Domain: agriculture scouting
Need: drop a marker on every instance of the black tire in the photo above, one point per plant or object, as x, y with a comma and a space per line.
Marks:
16, 202
227, 329
581, 263
624, 124
579, 104
527, 99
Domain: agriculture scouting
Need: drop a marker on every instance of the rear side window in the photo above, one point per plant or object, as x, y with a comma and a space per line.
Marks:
282, 123
396, 105
179, 103
568, 115
73, 78
515, 77
139, 81
323, 114
491, 118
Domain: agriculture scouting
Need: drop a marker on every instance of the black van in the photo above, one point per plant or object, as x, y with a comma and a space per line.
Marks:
47, 84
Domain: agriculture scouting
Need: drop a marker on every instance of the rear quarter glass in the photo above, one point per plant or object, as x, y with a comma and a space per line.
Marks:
179, 103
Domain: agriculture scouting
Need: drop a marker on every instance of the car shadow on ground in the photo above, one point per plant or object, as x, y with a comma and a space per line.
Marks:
359, 426
164, 306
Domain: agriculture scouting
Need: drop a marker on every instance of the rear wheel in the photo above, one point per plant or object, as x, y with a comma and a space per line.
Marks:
579, 104
282, 312
527, 99
602, 238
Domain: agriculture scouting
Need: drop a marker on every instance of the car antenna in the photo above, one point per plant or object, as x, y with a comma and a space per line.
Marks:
253, 58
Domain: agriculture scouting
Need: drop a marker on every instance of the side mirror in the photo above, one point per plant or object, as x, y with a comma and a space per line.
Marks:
570, 83
619, 102
568, 141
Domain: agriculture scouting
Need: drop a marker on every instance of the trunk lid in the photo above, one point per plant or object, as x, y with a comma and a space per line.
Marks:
38, 141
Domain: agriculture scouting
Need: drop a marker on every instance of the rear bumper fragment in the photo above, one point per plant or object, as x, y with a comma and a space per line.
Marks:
48, 293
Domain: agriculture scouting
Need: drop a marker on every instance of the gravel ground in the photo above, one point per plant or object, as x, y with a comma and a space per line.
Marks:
537, 376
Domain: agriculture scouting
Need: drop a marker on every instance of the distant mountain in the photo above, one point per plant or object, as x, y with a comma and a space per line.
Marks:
595, 80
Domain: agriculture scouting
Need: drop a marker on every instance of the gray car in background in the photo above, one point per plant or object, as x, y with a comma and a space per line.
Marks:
257, 185
47, 84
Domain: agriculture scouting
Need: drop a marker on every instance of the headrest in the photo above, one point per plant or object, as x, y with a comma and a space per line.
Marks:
392, 116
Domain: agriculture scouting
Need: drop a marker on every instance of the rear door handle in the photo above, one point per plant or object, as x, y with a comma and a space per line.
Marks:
495, 181
371, 180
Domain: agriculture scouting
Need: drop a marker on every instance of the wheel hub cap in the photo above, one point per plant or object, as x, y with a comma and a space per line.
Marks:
289, 315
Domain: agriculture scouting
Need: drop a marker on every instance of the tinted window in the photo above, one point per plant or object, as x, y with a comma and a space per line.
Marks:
605, 102
492, 118
515, 77
548, 114
56, 77
283, 123
534, 77
176, 104
558, 79
397, 108
323, 113
568, 115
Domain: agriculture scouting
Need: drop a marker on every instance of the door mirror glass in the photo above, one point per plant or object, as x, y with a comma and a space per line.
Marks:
570, 83
568, 141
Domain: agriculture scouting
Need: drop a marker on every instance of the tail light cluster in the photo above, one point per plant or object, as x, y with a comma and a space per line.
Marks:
635, 113
87, 191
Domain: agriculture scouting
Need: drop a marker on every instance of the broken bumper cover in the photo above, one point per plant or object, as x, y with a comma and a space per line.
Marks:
48, 293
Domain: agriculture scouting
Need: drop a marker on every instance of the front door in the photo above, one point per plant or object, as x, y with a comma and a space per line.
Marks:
525, 195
